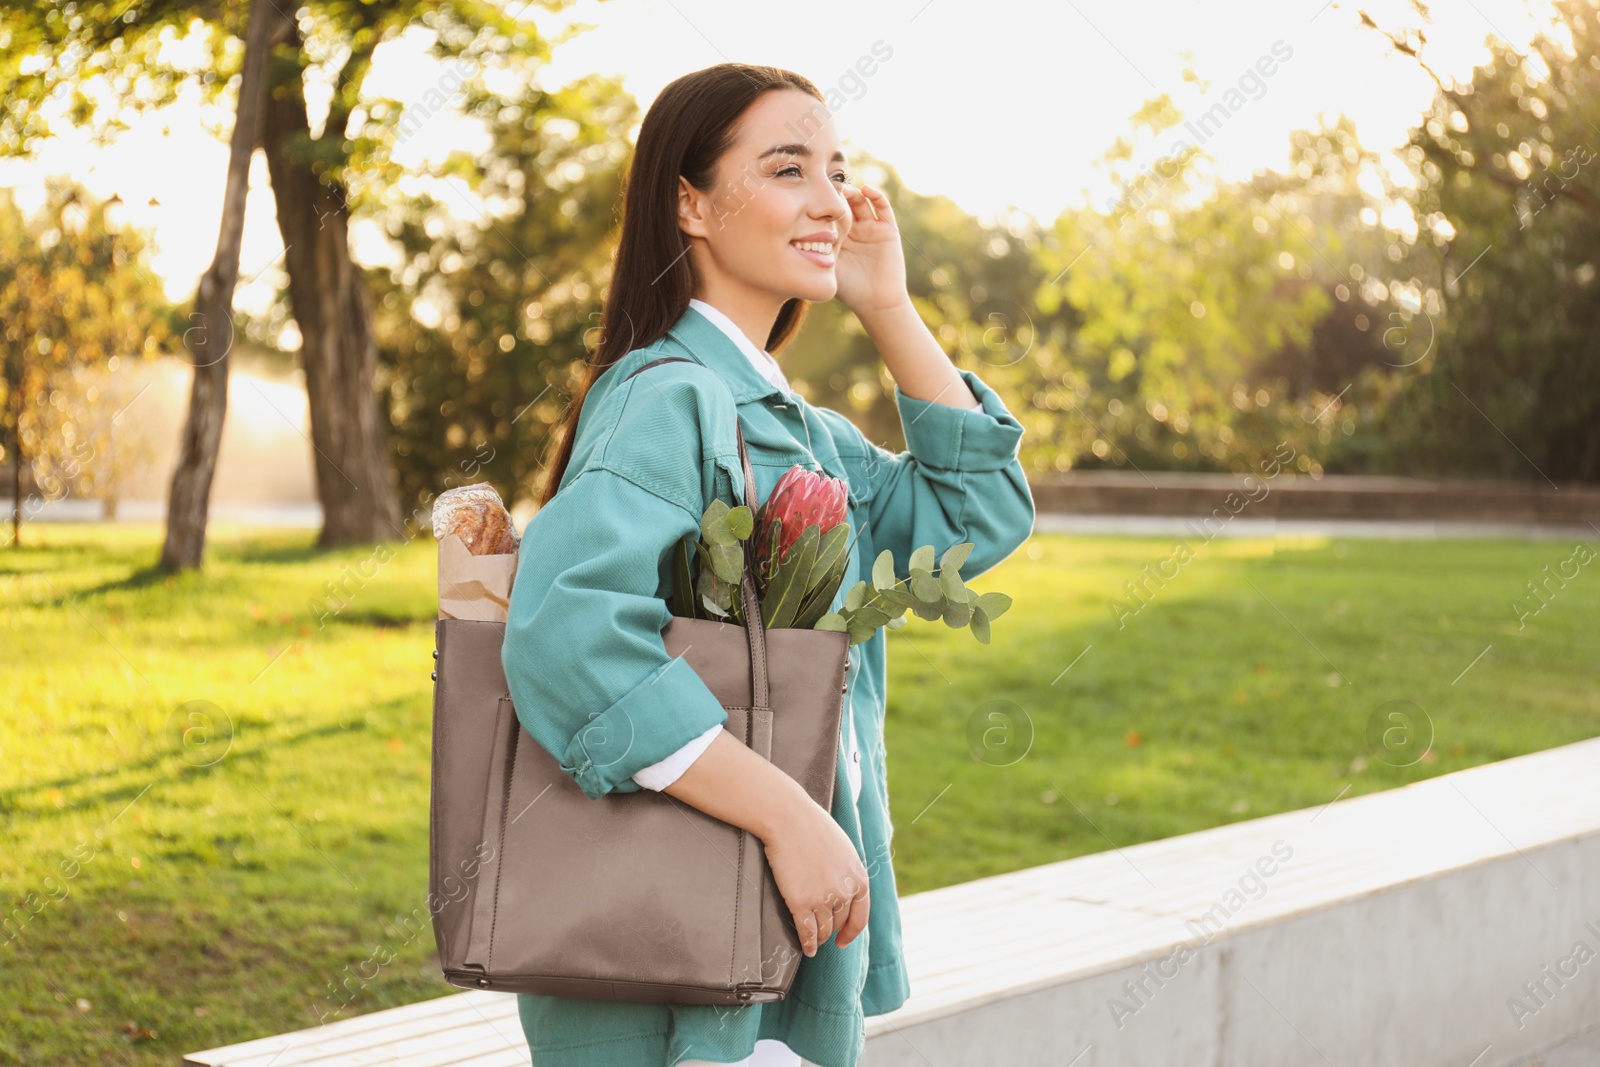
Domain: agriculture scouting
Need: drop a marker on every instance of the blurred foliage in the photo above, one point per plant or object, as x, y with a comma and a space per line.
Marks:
1191, 325
120, 65
109, 61
969, 282
1432, 313
1183, 291
1507, 214
485, 325
76, 300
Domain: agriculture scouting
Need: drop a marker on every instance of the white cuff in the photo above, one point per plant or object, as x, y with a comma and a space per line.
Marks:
658, 776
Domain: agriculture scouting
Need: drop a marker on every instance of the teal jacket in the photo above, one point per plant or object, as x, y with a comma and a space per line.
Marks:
649, 455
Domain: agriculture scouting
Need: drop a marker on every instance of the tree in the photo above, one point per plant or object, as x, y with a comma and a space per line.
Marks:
1179, 290
75, 296
485, 323
1508, 200
970, 282
323, 179
212, 336
319, 177
354, 479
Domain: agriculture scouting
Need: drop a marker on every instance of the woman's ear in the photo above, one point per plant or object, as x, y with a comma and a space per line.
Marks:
693, 209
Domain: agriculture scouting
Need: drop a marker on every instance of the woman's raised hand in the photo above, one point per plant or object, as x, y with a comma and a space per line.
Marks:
871, 267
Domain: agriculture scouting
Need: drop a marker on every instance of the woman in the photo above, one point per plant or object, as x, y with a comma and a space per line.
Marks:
738, 213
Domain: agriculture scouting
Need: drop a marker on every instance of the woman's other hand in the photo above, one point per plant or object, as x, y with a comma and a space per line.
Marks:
820, 877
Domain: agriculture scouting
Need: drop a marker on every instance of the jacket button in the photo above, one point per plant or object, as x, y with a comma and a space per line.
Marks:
434, 675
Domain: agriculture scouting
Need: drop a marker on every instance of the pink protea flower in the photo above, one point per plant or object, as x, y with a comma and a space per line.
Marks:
801, 498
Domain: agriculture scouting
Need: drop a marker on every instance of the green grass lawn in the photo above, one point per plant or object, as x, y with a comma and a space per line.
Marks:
215, 802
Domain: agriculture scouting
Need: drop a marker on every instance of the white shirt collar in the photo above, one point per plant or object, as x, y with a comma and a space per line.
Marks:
759, 358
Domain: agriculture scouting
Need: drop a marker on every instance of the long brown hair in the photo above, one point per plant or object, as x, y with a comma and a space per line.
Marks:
685, 132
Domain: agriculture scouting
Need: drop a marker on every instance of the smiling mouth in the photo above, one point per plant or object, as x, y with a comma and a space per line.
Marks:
818, 252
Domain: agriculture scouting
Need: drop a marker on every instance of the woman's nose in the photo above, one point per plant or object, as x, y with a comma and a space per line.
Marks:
832, 204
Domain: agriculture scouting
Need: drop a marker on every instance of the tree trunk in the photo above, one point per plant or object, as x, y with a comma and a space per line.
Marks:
355, 480
14, 394
209, 340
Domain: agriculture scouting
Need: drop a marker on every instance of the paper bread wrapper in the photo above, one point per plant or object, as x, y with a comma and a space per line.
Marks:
474, 587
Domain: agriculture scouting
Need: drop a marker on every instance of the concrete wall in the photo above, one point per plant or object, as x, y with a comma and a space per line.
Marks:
1448, 923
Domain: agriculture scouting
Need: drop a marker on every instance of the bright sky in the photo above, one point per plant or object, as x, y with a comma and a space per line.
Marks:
999, 106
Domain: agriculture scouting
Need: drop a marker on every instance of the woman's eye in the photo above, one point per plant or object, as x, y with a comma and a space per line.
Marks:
795, 169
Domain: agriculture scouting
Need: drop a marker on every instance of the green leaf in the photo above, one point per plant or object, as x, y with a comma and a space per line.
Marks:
786, 588
742, 522
980, 625
723, 526
728, 562
714, 523
812, 608
896, 622
871, 613
821, 596
712, 607
922, 559
929, 612
883, 570
830, 553
927, 590
715, 590
774, 538
957, 613
682, 601
861, 629
857, 596
952, 585
897, 597
994, 604
832, 621
955, 556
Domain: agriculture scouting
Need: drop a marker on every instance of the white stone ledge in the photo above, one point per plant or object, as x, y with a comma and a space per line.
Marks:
1390, 928
1394, 932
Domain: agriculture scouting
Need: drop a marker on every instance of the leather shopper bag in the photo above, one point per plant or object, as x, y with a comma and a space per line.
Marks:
537, 888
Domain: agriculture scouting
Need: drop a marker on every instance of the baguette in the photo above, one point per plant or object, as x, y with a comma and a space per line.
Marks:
476, 515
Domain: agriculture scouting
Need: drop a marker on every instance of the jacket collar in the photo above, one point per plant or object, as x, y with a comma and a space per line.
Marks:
705, 341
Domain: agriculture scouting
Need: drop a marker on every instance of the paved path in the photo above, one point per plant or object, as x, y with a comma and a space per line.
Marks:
1194, 529
301, 515
309, 516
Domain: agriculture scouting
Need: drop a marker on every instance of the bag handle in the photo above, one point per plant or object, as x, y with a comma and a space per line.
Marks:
755, 626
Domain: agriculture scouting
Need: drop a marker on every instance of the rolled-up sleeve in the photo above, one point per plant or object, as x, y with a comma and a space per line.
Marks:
959, 479
658, 776
583, 654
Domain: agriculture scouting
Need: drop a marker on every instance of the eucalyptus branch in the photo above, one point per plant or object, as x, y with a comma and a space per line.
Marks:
883, 602
798, 586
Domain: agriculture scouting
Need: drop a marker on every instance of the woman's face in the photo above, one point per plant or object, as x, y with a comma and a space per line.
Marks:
777, 184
